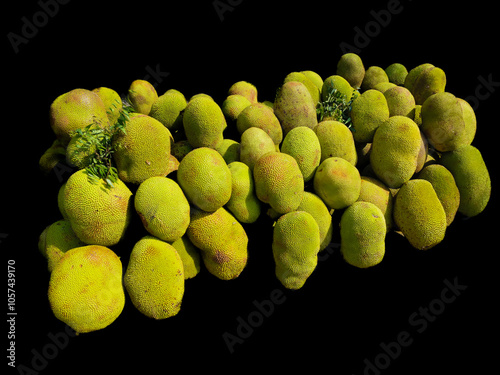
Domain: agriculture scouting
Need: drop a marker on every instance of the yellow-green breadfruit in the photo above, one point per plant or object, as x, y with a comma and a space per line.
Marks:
163, 208
396, 73
336, 139
362, 235
142, 95
295, 248
229, 150
56, 240
445, 187
374, 191
155, 278
373, 76
303, 144
243, 204
190, 256
427, 81
414, 74
469, 121
99, 214
467, 166
395, 150
260, 116
314, 77
168, 109
233, 105
143, 151
311, 86
278, 181
85, 288
313, 205
74, 110
222, 241
112, 102
369, 111
205, 179
255, 142
204, 123
337, 182
245, 89
443, 122
400, 101
338, 83
419, 214
350, 66
295, 107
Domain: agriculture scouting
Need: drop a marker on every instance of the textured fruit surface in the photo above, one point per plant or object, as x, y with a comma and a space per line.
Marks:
163, 208
296, 245
369, 111
279, 181
204, 122
245, 89
303, 144
155, 278
350, 66
396, 73
229, 150
430, 80
205, 179
85, 288
168, 109
98, 215
142, 95
260, 116
222, 241
373, 76
233, 105
336, 139
243, 204
190, 256
137, 156
255, 142
311, 87
112, 102
400, 101
339, 83
472, 178
419, 215
374, 191
313, 205
362, 235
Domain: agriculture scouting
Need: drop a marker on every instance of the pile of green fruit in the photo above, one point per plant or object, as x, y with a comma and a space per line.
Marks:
389, 148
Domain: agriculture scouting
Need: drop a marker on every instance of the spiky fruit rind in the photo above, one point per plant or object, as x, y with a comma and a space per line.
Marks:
336, 139
260, 116
303, 144
243, 204
204, 123
369, 111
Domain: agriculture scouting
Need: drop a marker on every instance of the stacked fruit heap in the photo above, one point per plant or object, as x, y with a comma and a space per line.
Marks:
389, 149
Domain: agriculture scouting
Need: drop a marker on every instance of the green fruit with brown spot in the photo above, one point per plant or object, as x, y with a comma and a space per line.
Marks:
204, 122
260, 116
336, 139
350, 66
303, 144
369, 111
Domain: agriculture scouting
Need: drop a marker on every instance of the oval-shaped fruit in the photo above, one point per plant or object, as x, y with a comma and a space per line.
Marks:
303, 144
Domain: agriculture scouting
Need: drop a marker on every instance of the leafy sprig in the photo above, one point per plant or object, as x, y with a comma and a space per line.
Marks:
337, 107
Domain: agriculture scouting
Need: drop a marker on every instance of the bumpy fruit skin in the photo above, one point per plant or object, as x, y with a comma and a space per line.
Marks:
85, 288
163, 208
233, 105
190, 257
374, 191
243, 204
295, 107
396, 73
369, 111
303, 144
362, 235
373, 76
260, 116
55, 154
278, 181
142, 95
443, 122
255, 142
222, 241
74, 110
395, 150
229, 150
350, 66
470, 122
99, 215
155, 278
428, 80
314, 77
311, 87
419, 215
340, 84
204, 122
245, 89
168, 109
137, 157
205, 179
400, 101
336, 139
467, 166
414, 74
112, 102
313, 205
337, 182
296, 245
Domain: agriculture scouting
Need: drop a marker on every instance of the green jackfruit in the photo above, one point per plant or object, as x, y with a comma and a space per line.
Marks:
314, 77
303, 144
373, 76
233, 105
419, 215
470, 122
190, 256
205, 179
180, 149
243, 204
374, 191
445, 187
400, 101
384, 86
99, 215
278, 181
245, 89
296, 245
168, 109
112, 102
137, 157
414, 74
204, 123
396, 73
426, 81
350, 66
260, 116
336, 139
142, 95
55, 154
163, 208
222, 241
362, 235
337, 182
338, 83
395, 150
155, 278
369, 111
467, 166
311, 87
229, 150
313, 205
295, 107
255, 142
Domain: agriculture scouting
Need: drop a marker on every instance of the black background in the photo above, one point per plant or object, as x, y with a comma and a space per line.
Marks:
342, 314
